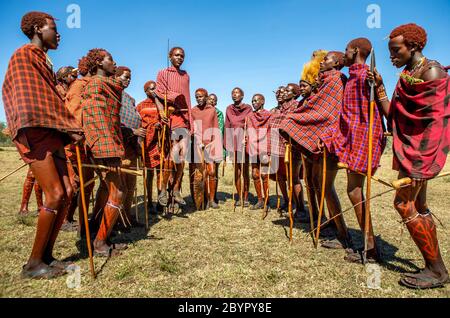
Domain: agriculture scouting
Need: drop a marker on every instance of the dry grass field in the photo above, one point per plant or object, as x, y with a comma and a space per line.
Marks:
221, 253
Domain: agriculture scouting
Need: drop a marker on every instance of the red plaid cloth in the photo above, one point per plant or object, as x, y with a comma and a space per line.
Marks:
129, 117
318, 114
207, 132
73, 97
277, 142
420, 115
258, 132
350, 143
175, 85
150, 117
101, 117
29, 93
235, 117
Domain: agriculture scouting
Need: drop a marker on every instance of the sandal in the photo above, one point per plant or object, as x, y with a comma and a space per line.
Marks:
43, 272
178, 198
110, 252
422, 282
333, 244
163, 198
357, 257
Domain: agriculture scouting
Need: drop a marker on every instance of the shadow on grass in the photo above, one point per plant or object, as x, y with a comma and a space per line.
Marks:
387, 250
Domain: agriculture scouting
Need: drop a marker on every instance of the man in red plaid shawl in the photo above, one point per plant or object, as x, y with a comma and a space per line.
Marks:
235, 125
278, 148
419, 114
130, 124
101, 123
350, 142
40, 127
172, 84
317, 118
73, 104
258, 128
151, 123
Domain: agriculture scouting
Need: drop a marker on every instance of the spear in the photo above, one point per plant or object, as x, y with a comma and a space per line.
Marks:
370, 157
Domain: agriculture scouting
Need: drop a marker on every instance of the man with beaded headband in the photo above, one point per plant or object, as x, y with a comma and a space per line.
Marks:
418, 114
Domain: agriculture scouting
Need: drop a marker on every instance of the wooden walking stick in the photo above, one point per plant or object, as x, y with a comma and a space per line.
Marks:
234, 179
135, 195
85, 214
118, 169
278, 194
242, 167
397, 184
266, 194
322, 195
144, 174
12, 172
370, 158
291, 186
310, 198
342, 165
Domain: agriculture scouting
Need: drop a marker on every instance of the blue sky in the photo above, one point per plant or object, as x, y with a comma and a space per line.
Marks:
255, 44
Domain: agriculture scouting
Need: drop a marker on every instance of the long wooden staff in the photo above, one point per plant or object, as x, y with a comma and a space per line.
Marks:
397, 184
144, 175
102, 167
135, 195
370, 158
266, 194
277, 193
310, 198
242, 166
85, 214
291, 189
234, 179
161, 162
342, 165
322, 196
12, 172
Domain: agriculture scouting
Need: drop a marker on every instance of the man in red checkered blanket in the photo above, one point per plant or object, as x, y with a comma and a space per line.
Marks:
40, 127
289, 107
101, 123
418, 113
350, 141
151, 123
318, 117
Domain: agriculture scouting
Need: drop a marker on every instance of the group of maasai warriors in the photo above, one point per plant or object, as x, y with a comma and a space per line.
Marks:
84, 115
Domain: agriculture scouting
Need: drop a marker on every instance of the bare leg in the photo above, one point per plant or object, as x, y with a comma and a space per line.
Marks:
423, 232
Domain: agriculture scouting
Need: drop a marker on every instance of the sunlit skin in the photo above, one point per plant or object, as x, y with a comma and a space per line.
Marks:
289, 93
237, 96
258, 102
305, 89
150, 89
212, 100
201, 97
106, 67
177, 58
330, 62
